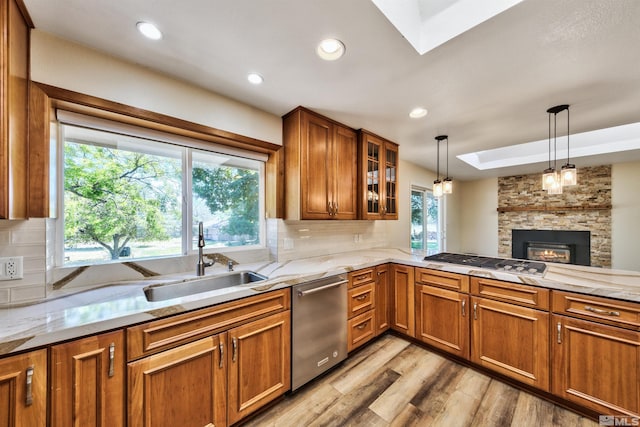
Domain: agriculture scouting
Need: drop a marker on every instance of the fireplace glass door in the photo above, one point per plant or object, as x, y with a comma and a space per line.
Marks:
550, 252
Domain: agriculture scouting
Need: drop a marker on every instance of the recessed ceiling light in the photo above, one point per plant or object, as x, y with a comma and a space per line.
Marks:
330, 49
149, 30
418, 112
255, 78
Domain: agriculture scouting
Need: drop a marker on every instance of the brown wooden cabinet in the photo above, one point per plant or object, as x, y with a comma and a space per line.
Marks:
508, 338
403, 299
184, 386
361, 304
87, 381
596, 352
378, 195
259, 364
442, 314
15, 25
383, 296
224, 362
23, 390
321, 167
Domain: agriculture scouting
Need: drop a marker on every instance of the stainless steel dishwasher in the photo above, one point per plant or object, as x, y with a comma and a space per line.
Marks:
319, 325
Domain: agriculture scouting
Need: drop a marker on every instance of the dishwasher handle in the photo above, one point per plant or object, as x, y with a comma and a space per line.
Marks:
321, 288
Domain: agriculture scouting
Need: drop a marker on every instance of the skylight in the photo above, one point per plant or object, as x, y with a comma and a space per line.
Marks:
601, 141
427, 24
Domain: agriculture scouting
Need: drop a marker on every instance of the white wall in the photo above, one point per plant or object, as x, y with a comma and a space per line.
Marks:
479, 217
625, 216
60, 63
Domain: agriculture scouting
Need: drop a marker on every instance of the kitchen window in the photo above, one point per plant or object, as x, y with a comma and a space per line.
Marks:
426, 228
129, 195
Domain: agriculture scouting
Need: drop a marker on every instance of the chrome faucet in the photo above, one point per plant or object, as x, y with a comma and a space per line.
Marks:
201, 263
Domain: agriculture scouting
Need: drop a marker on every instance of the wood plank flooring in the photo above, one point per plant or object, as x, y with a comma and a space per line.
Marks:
393, 382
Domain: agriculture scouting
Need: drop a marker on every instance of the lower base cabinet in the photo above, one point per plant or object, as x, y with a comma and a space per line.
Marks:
442, 319
596, 366
185, 386
403, 300
87, 382
259, 365
216, 380
511, 340
23, 390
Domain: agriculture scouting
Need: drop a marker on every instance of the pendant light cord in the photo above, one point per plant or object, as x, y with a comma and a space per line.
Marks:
438, 160
568, 135
447, 158
555, 145
549, 115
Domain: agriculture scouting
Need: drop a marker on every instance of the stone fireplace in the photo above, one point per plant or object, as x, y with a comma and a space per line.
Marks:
523, 205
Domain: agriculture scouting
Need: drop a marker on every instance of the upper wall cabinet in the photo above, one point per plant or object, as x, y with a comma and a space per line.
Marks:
321, 167
15, 25
379, 173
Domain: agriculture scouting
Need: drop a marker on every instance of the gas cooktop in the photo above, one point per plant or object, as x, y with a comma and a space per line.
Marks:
517, 266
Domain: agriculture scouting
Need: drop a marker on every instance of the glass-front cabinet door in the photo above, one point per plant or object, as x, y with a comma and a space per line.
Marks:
379, 171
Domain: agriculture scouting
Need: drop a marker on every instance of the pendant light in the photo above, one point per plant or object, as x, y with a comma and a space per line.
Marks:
551, 179
437, 184
569, 173
447, 183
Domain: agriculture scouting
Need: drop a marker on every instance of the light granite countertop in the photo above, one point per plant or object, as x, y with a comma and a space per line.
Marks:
123, 304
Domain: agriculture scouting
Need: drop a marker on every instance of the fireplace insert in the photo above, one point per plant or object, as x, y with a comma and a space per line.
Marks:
561, 246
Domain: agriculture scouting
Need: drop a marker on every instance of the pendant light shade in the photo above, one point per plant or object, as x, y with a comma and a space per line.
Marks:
437, 188
569, 175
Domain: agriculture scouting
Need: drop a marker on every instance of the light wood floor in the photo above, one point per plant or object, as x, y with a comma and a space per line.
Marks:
395, 383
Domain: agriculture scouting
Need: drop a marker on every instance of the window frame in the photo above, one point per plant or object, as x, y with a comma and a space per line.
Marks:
187, 146
441, 212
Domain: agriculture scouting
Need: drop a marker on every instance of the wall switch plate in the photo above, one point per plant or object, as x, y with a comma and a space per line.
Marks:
11, 268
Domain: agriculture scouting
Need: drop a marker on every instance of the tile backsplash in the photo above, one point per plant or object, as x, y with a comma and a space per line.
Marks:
26, 239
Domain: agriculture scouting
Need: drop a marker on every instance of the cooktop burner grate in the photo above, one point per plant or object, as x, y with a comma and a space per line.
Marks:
517, 266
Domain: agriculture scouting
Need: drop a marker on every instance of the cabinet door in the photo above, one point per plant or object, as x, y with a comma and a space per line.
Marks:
372, 150
442, 319
345, 173
87, 382
14, 90
495, 324
185, 386
316, 168
383, 312
260, 364
390, 209
23, 390
403, 297
596, 366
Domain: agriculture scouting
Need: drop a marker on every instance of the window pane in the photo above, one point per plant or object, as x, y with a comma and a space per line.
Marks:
417, 219
122, 197
226, 198
434, 238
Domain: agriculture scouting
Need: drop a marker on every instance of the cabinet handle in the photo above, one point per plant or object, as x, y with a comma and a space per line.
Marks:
362, 325
464, 305
221, 363
361, 298
362, 277
600, 311
112, 357
335, 209
330, 208
29, 399
559, 329
234, 343
475, 311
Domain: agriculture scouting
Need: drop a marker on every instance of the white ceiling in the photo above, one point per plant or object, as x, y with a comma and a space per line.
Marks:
489, 87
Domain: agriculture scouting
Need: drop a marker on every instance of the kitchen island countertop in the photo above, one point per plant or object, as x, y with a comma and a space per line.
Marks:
122, 304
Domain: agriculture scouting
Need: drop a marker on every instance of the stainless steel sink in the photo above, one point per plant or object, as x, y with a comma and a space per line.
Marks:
164, 291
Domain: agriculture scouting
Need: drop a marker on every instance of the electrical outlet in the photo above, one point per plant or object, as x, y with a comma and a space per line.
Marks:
11, 268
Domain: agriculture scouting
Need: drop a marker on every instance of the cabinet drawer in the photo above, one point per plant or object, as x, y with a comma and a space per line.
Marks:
361, 299
603, 310
360, 277
360, 330
524, 295
442, 279
166, 333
